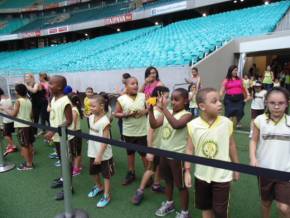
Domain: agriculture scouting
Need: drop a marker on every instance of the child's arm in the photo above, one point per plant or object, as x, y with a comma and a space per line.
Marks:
234, 156
119, 112
13, 111
253, 146
154, 123
187, 165
106, 134
190, 96
68, 115
75, 119
177, 124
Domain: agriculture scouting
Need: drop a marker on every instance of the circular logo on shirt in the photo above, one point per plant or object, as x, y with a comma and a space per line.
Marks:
209, 149
166, 132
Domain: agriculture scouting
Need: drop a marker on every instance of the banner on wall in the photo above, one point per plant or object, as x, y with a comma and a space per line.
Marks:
119, 19
56, 30
30, 34
169, 8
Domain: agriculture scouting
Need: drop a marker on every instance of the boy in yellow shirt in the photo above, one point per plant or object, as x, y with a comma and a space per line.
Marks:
210, 136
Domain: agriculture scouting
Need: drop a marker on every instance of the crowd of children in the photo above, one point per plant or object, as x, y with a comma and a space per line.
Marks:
188, 121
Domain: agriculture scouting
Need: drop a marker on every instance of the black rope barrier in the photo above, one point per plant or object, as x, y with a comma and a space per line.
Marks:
242, 168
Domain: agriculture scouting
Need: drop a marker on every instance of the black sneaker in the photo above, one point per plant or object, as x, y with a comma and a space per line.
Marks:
24, 167
60, 195
57, 183
130, 177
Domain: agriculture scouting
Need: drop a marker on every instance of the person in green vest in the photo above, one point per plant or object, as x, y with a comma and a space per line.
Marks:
268, 78
287, 80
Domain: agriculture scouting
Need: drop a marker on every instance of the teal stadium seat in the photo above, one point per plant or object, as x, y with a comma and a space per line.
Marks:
176, 44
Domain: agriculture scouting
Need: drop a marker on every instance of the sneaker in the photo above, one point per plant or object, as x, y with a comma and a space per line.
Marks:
130, 177
158, 188
60, 195
138, 197
76, 171
182, 215
57, 164
165, 209
10, 149
95, 191
239, 126
57, 183
104, 202
24, 167
53, 155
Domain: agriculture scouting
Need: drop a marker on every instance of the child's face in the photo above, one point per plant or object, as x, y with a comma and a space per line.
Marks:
193, 88
258, 88
89, 93
277, 104
55, 86
212, 104
132, 86
96, 107
245, 77
194, 73
178, 101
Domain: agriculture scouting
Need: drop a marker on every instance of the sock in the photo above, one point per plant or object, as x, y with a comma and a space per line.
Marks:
140, 190
184, 212
61, 179
156, 185
169, 202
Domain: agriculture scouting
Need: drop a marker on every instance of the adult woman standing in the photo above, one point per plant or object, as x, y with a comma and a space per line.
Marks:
151, 81
195, 78
44, 114
234, 100
37, 97
268, 79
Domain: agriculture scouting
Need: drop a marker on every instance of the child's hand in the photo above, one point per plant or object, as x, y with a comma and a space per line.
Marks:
48, 136
163, 102
254, 162
98, 160
236, 176
187, 179
149, 157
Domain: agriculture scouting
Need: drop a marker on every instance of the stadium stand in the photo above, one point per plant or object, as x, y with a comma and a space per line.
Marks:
75, 17
9, 26
7, 4
173, 45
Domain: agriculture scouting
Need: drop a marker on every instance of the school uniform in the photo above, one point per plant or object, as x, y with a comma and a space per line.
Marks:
8, 125
258, 104
76, 142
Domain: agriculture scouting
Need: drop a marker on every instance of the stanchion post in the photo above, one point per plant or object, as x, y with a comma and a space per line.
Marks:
4, 167
69, 212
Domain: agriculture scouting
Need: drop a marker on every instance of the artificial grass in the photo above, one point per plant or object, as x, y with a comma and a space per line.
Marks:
28, 194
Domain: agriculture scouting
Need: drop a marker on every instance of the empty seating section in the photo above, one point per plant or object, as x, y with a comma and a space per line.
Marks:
7, 4
172, 45
76, 17
9, 26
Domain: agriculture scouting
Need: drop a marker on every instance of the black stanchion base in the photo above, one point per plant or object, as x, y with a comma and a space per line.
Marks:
77, 213
6, 167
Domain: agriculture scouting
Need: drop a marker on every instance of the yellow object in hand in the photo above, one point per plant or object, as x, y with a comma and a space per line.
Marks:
152, 101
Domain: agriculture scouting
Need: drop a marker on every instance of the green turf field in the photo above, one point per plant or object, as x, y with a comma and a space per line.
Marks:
28, 194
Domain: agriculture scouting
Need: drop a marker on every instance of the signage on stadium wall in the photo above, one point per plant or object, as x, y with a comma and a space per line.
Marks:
169, 8
30, 34
119, 19
55, 30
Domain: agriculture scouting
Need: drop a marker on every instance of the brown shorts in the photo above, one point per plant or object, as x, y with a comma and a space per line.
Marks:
25, 136
106, 168
212, 196
140, 140
271, 189
152, 165
172, 171
76, 146
8, 129
255, 113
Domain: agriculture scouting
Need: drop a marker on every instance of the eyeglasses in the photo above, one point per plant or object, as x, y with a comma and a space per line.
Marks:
274, 104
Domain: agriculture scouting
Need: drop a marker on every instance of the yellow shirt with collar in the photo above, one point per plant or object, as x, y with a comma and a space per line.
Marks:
211, 142
174, 139
57, 115
134, 127
24, 113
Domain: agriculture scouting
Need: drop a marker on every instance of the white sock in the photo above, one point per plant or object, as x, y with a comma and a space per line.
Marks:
184, 212
169, 202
